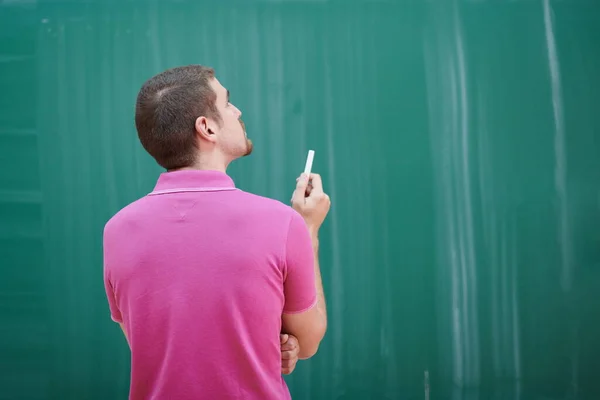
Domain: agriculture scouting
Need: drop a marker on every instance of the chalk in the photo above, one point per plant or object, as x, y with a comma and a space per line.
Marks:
309, 162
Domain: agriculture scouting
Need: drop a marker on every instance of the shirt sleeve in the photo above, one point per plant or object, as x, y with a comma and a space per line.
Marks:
109, 288
299, 285
115, 314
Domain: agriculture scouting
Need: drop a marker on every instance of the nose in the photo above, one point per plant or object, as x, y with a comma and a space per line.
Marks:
237, 111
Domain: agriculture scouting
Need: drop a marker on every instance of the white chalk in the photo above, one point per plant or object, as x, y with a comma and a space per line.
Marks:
309, 162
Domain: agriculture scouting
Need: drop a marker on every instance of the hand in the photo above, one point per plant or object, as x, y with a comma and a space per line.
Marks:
290, 348
310, 201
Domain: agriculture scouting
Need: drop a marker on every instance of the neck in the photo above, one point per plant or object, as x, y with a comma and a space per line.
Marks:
207, 162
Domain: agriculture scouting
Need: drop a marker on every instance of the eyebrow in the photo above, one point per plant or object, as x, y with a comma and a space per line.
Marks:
227, 95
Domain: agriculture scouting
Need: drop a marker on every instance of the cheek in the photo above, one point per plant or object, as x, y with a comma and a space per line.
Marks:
232, 120
233, 112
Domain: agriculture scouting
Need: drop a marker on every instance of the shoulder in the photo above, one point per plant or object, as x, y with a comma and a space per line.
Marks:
277, 213
125, 216
266, 204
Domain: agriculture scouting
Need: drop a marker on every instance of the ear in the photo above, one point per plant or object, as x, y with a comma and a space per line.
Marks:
206, 129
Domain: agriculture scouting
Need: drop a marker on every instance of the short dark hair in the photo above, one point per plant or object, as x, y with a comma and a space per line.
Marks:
166, 110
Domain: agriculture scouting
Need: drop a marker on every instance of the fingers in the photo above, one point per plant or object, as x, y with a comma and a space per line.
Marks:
316, 183
288, 363
299, 193
290, 344
289, 347
283, 338
316, 193
308, 189
289, 353
288, 366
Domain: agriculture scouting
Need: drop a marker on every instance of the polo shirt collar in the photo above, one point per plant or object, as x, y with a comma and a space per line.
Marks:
194, 179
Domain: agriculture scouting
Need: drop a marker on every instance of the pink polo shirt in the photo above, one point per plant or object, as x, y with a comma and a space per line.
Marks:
199, 273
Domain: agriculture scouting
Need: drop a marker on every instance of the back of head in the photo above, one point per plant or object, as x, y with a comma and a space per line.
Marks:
166, 110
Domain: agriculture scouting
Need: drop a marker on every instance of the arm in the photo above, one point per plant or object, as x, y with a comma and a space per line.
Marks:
309, 326
304, 275
321, 306
289, 353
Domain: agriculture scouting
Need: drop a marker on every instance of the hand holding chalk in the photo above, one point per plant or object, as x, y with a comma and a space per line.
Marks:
313, 204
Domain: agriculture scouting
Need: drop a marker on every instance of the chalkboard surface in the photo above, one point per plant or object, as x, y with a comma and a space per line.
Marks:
459, 142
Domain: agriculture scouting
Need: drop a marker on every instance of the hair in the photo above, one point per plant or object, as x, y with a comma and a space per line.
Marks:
166, 110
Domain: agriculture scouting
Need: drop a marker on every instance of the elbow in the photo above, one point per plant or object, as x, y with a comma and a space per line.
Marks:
311, 348
305, 355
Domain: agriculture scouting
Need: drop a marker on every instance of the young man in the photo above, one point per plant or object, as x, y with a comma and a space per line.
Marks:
218, 291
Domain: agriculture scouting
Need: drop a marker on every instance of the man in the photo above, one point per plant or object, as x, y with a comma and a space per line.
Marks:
212, 285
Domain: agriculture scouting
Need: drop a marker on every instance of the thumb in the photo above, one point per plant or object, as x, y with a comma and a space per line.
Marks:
283, 338
301, 185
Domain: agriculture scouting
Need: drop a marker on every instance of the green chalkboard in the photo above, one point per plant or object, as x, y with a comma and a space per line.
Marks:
459, 142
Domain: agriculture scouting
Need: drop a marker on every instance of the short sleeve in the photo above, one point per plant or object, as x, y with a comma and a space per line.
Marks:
299, 285
115, 314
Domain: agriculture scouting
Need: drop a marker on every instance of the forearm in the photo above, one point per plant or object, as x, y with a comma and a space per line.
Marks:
321, 306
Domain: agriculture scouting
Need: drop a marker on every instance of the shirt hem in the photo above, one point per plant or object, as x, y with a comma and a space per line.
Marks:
314, 303
119, 321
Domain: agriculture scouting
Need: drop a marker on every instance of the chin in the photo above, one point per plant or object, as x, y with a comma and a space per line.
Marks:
249, 147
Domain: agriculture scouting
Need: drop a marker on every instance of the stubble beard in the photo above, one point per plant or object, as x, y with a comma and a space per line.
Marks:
249, 147
249, 144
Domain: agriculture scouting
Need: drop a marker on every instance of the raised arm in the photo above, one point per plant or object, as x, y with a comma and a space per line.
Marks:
304, 275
